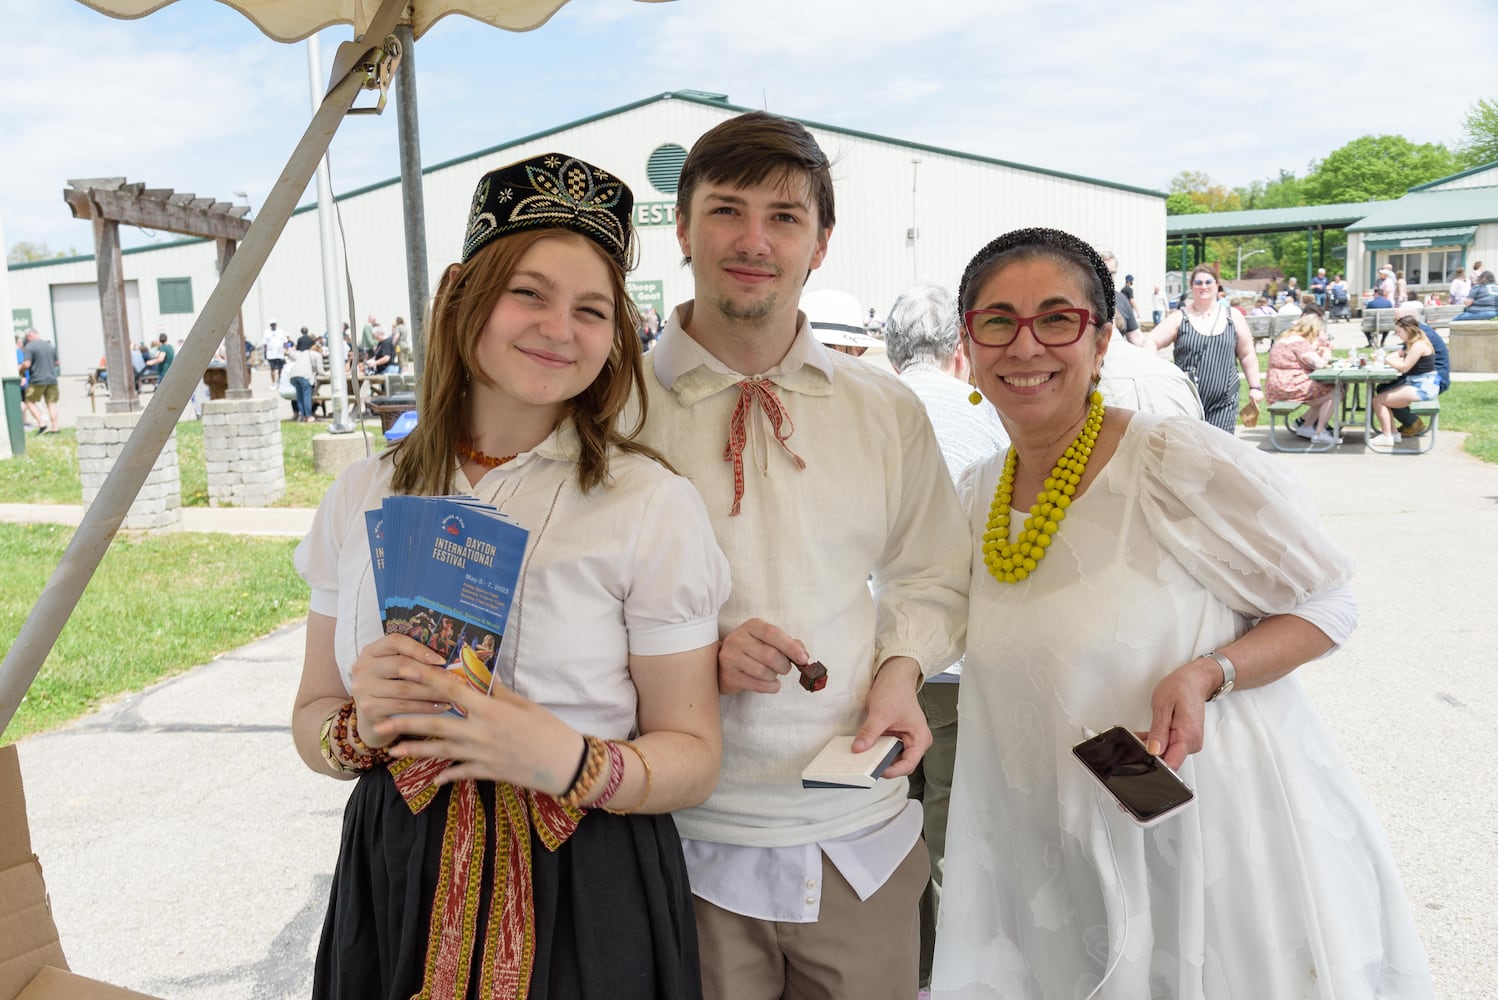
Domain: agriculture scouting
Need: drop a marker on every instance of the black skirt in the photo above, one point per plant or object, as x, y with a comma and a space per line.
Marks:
613, 906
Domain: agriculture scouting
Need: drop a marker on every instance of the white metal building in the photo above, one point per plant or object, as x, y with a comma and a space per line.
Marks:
904, 210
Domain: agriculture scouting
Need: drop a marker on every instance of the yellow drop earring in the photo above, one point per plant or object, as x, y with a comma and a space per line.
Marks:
975, 397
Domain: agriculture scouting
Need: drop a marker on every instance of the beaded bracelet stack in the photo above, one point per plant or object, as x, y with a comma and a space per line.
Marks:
341, 746
590, 769
595, 754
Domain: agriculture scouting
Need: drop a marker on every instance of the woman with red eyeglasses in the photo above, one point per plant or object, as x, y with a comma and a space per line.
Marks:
1144, 570
1211, 340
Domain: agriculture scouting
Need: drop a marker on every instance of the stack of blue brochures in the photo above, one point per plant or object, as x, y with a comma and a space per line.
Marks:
445, 571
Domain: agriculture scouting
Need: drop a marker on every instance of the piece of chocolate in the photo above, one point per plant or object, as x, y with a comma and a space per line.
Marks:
813, 675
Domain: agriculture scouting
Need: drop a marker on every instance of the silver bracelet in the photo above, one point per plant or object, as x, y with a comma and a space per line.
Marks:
1229, 673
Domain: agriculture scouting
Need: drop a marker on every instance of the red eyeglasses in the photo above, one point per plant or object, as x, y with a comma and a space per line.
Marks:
998, 328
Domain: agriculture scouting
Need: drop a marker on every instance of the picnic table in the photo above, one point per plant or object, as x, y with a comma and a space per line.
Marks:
363, 389
1342, 376
1351, 403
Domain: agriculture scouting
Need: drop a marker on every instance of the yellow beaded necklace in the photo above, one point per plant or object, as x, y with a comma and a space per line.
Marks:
1011, 562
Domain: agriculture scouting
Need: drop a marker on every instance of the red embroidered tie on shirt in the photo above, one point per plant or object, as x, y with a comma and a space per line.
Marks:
751, 391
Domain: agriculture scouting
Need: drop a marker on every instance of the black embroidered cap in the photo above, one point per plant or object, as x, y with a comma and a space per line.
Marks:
1053, 239
551, 191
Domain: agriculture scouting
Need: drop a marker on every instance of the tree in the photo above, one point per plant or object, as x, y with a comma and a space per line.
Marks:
1282, 192
1375, 167
1480, 134
1181, 204
1195, 188
24, 250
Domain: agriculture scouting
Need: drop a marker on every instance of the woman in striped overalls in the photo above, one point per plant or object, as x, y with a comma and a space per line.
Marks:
1211, 340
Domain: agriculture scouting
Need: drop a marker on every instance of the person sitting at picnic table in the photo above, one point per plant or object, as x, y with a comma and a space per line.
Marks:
1262, 307
161, 357
384, 360
1409, 424
1418, 379
1482, 301
1378, 300
1299, 351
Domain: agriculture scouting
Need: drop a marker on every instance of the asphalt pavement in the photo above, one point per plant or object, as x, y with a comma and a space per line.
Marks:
188, 850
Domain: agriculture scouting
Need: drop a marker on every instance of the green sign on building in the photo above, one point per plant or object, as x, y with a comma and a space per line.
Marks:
22, 319
648, 293
653, 214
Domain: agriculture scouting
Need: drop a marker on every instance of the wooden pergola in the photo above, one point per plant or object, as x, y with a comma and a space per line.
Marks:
110, 201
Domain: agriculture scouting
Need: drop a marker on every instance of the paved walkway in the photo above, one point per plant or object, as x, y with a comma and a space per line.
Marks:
284, 521
188, 850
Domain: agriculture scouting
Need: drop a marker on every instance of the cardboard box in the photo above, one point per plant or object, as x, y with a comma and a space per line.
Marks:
32, 966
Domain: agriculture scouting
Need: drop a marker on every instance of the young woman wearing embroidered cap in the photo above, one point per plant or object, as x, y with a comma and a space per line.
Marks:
1167, 578
524, 849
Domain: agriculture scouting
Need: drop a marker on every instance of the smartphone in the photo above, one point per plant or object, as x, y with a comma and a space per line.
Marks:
1148, 790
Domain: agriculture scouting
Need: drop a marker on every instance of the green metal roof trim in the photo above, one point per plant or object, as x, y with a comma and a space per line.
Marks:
720, 101
1267, 219
1456, 236
1428, 209
48, 261
1455, 177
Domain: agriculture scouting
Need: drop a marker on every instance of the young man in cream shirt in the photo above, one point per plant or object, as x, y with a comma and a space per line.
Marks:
847, 545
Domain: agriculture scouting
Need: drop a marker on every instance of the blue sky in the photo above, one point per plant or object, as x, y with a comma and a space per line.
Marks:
193, 97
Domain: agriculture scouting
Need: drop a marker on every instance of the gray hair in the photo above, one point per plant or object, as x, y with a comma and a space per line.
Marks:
922, 325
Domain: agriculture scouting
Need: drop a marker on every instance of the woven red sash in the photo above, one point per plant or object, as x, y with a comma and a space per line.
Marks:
510, 932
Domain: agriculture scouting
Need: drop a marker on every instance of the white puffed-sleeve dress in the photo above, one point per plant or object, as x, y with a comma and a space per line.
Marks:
1279, 882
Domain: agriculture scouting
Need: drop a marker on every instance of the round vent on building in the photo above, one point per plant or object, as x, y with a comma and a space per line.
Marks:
664, 167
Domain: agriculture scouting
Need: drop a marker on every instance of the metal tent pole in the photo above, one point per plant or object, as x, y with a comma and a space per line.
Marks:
413, 202
332, 310
105, 515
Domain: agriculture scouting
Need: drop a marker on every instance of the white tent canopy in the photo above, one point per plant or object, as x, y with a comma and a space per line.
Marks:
293, 20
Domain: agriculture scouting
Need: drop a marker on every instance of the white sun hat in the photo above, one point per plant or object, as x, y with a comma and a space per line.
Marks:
836, 318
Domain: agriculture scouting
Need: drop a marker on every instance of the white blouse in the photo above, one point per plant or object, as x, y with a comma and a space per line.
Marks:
1278, 882
631, 567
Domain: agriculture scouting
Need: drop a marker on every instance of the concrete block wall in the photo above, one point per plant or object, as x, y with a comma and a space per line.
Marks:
101, 438
1473, 345
243, 452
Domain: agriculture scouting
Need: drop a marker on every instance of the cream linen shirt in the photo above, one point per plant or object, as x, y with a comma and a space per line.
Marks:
629, 568
1135, 379
862, 555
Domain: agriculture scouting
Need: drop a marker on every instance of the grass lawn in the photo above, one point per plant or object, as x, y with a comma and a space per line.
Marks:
48, 472
1473, 407
159, 604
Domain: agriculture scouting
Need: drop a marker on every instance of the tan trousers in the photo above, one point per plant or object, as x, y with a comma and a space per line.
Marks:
863, 949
